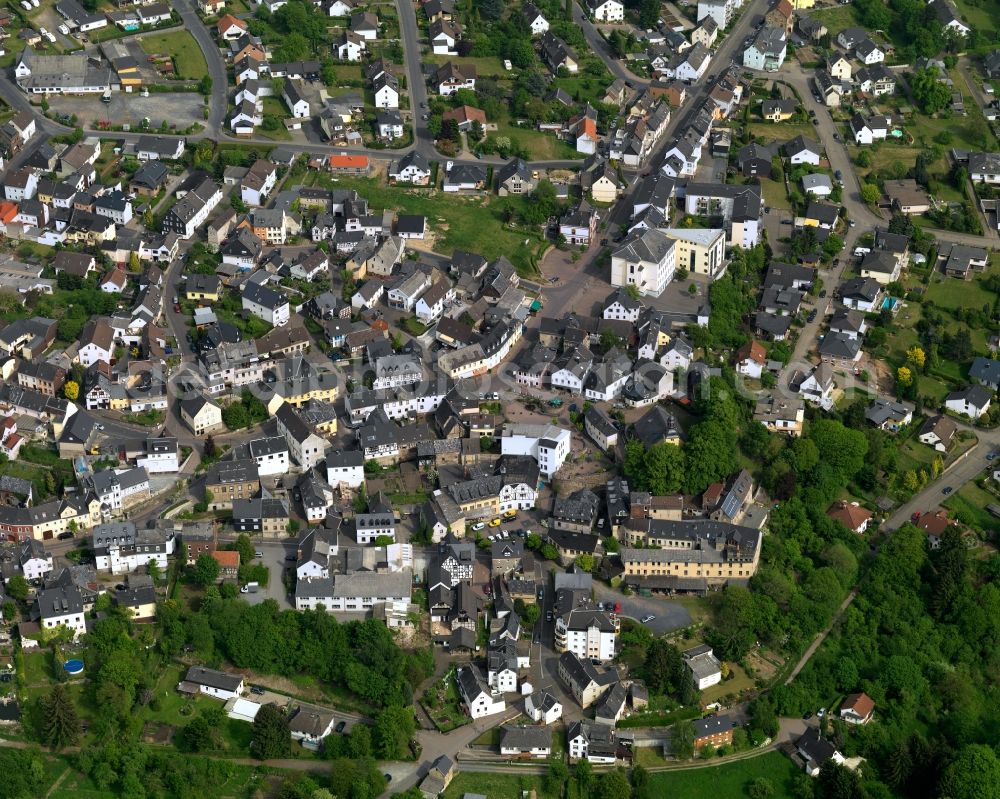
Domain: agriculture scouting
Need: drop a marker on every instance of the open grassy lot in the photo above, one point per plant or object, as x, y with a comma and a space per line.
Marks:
782, 131
469, 222
188, 58
542, 146
836, 18
729, 781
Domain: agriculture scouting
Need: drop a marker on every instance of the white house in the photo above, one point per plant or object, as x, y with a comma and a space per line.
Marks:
868, 53
386, 90
217, 684
536, 22
115, 206
543, 707
705, 668
866, 130
767, 51
160, 456
972, 401
270, 454
61, 607
266, 303
546, 443
588, 634
431, 304
646, 260
296, 103
479, 699
345, 467
305, 446
606, 10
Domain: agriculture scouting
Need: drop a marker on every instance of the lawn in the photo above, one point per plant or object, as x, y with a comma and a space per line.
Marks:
950, 293
486, 66
739, 682
774, 195
728, 781
969, 504
496, 786
459, 222
189, 61
836, 18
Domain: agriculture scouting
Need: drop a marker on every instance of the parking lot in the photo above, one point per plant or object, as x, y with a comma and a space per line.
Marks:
274, 553
178, 109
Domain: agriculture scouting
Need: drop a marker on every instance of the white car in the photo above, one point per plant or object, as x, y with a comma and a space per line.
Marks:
51, 37
479, 526
44, 32
35, 3
63, 30
26, 5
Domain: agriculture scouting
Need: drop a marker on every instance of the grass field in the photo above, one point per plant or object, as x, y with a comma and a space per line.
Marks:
189, 61
458, 222
782, 131
730, 781
541, 146
836, 18
495, 786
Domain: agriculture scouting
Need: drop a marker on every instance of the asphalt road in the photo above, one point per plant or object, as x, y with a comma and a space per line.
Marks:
216, 66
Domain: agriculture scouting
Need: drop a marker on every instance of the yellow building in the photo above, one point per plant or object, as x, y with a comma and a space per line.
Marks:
712, 552
700, 251
801, 5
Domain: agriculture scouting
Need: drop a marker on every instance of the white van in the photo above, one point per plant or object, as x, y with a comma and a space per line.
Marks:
63, 29
860, 252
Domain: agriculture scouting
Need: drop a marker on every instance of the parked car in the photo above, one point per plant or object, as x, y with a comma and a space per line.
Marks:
341, 725
479, 525
494, 522
648, 619
256, 689
258, 554
65, 535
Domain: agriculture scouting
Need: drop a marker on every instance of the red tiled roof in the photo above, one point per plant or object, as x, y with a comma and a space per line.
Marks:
348, 161
228, 21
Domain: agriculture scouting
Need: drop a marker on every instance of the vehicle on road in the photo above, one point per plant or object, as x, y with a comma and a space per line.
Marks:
812, 315
838, 175
991, 456
836, 137
648, 619
494, 522
479, 525
947, 490
822, 293
851, 222
258, 554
